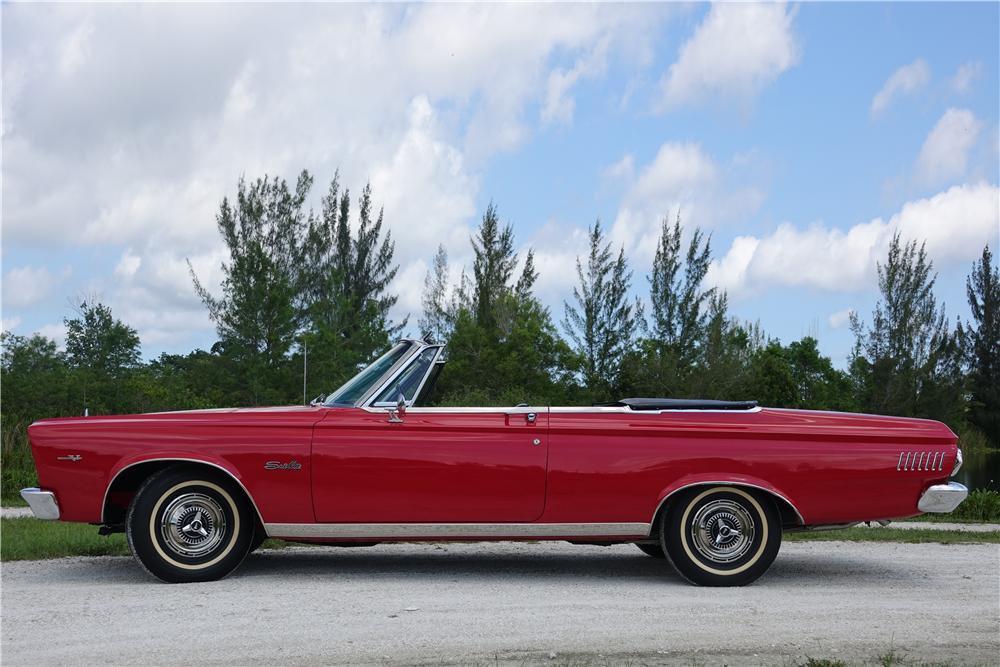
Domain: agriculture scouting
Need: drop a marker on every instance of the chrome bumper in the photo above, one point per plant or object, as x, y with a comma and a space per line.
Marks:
942, 498
42, 503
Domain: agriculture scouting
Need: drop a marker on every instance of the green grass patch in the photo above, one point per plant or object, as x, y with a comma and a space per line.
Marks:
27, 538
30, 539
917, 536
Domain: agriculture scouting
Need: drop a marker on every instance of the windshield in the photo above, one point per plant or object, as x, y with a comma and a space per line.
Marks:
357, 386
409, 381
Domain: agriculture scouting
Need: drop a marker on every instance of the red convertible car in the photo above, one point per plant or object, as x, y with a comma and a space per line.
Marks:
708, 485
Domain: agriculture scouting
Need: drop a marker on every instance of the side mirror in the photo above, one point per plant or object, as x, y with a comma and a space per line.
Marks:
397, 413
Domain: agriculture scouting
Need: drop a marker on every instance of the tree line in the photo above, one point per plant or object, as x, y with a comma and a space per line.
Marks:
301, 282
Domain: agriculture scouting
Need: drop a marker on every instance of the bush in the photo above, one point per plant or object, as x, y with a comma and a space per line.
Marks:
981, 505
17, 467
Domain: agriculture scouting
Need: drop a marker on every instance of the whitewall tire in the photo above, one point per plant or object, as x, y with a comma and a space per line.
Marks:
187, 524
722, 535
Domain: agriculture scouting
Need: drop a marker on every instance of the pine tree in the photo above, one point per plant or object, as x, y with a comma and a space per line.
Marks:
678, 303
983, 291
906, 361
438, 315
603, 324
344, 303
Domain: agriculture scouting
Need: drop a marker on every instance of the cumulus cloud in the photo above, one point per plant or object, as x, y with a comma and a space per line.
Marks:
681, 179
736, 51
29, 285
840, 318
966, 74
10, 323
955, 224
905, 80
945, 152
135, 152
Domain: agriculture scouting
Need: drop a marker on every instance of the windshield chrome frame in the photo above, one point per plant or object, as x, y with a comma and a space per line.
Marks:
400, 363
420, 387
368, 400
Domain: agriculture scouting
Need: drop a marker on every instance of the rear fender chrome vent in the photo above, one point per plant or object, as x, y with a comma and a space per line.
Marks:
921, 461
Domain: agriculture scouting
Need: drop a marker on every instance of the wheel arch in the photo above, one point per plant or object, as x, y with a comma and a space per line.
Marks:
789, 513
130, 476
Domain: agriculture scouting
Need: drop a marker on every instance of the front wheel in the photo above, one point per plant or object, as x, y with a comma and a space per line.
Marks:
187, 524
722, 535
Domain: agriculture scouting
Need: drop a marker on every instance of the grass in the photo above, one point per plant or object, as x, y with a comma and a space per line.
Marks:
917, 536
26, 538
30, 539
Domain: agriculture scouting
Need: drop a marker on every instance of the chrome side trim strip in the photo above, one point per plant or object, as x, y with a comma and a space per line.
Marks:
729, 483
107, 489
596, 409
455, 530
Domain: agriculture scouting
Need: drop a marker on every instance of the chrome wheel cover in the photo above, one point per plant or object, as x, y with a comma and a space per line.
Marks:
722, 531
193, 525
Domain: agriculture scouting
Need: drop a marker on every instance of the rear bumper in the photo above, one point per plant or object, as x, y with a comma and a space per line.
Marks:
42, 503
942, 498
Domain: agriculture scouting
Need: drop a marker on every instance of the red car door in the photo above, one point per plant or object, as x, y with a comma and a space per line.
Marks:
439, 465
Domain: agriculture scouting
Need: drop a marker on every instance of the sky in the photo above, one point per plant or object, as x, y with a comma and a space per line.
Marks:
801, 137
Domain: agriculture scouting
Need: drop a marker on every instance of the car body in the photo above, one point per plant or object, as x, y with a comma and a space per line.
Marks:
370, 465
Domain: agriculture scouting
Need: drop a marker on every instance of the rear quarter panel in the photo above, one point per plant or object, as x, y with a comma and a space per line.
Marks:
618, 466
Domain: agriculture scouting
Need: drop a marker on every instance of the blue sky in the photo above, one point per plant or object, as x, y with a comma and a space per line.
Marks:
800, 136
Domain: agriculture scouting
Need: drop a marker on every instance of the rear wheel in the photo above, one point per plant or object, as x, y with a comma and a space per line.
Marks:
187, 524
722, 535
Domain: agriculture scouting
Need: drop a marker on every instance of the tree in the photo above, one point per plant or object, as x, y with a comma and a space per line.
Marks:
983, 290
438, 313
503, 347
690, 337
604, 321
906, 362
344, 301
34, 378
256, 316
102, 351
678, 304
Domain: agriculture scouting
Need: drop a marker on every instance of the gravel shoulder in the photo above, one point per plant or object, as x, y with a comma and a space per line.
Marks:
522, 603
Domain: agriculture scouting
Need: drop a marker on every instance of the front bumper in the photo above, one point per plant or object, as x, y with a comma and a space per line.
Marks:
42, 503
942, 498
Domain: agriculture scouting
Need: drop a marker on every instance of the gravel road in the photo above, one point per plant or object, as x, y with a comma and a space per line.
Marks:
548, 603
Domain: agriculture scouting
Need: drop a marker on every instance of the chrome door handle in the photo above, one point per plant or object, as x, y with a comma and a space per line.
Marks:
531, 416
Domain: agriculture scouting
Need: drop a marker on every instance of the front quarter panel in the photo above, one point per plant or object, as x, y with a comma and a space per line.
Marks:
239, 442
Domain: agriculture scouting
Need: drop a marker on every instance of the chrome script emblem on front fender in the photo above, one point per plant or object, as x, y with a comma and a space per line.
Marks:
72, 457
278, 465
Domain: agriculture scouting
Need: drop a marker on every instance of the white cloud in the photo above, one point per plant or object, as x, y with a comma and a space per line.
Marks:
30, 285
559, 105
965, 75
56, 332
10, 323
907, 79
135, 152
955, 224
945, 152
736, 51
681, 179
840, 318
